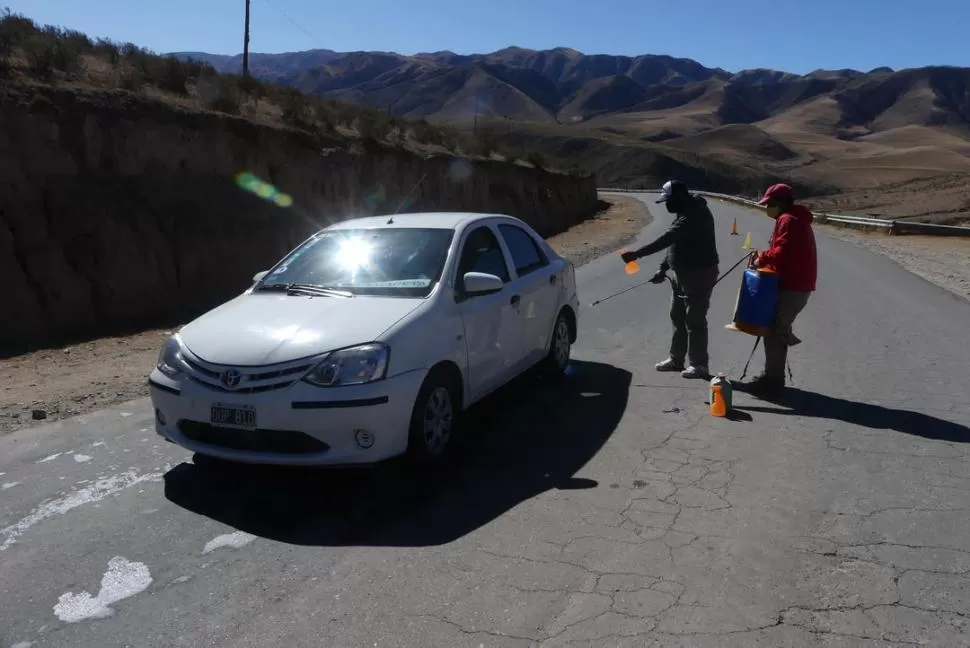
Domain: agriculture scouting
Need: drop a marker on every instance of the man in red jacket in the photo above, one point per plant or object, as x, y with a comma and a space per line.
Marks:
791, 252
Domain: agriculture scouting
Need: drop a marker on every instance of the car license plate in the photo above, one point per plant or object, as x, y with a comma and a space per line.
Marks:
240, 416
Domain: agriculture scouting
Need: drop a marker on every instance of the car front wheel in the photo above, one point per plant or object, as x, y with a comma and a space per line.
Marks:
434, 419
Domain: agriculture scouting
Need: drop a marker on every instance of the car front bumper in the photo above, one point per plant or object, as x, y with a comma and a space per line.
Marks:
299, 425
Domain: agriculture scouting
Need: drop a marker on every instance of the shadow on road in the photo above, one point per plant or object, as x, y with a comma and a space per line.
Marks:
805, 403
523, 441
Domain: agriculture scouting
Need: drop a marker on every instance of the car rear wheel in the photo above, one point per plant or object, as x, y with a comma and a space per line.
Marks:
434, 419
560, 347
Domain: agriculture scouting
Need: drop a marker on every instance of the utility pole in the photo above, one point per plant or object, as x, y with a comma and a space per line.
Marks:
475, 123
246, 45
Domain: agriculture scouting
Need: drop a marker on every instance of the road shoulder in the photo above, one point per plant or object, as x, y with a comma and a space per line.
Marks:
622, 218
941, 260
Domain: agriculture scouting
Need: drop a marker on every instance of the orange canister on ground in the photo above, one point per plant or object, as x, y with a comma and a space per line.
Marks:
720, 396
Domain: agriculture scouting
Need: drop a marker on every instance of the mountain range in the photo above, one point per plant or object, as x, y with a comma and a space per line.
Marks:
566, 86
845, 134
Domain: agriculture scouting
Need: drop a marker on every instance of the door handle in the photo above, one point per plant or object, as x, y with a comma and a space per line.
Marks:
552, 278
515, 300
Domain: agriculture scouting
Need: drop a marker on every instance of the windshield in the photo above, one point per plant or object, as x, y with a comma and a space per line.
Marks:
400, 261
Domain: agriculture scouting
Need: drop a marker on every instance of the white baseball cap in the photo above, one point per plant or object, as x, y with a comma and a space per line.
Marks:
670, 188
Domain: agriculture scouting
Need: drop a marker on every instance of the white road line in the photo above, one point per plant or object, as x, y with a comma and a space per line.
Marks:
87, 495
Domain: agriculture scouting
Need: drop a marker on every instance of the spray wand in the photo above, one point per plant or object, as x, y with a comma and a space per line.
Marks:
651, 280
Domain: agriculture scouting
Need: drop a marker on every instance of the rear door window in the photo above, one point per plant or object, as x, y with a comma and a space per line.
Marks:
526, 254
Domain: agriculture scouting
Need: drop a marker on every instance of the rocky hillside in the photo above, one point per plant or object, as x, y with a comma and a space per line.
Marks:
122, 208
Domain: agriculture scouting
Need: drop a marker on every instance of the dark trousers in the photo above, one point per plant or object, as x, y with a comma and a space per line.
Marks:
688, 313
790, 303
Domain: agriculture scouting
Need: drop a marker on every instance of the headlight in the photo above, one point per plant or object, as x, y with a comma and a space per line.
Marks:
170, 357
353, 366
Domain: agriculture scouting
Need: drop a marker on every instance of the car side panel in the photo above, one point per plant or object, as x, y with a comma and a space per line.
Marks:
431, 334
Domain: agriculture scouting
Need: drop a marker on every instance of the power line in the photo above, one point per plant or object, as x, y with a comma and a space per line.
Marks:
293, 22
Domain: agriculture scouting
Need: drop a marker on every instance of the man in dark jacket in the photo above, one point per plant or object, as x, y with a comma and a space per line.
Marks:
692, 255
791, 253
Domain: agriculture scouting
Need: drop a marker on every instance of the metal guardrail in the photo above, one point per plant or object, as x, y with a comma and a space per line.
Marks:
844, 220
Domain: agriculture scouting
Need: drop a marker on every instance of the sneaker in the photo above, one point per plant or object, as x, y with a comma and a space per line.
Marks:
696, 371
669, 365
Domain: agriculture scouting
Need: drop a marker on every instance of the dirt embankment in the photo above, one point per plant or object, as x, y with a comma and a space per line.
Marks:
121, 213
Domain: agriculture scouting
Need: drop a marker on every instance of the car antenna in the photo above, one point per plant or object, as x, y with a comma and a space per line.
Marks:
404, 202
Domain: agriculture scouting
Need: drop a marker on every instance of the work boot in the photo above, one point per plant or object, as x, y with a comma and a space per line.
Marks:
766, 385
669, 365
696, 371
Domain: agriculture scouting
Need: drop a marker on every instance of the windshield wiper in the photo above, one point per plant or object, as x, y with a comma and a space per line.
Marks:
298, 288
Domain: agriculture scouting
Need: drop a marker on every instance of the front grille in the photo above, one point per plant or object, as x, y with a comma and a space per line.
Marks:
253, 380
242, 390
258, 440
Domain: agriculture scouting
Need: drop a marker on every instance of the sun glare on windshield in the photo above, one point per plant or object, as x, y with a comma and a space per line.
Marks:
353, 254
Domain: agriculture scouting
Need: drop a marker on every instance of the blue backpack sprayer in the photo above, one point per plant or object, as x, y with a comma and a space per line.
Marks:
754, 311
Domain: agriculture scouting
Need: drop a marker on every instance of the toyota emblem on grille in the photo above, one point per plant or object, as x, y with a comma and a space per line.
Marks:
230, 378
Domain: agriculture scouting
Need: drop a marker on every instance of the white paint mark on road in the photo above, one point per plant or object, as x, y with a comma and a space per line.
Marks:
125, 414
235, 540
123, 579
97, 444
9, 485
87, 495
81, 458
23, 644
50, 457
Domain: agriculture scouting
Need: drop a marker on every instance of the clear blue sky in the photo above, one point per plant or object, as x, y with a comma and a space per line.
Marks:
806, 34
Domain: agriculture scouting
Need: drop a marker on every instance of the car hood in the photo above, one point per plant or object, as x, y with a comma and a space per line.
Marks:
268, 328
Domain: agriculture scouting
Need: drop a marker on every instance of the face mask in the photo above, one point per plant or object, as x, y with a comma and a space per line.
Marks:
773, 211
675, 204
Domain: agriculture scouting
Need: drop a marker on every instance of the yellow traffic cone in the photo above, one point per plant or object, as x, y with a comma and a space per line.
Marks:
734, 227
747, 243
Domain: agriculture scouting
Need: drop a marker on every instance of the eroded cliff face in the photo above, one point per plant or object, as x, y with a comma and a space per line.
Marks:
117, 212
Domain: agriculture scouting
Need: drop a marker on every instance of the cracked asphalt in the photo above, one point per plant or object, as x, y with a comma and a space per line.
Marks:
611, 511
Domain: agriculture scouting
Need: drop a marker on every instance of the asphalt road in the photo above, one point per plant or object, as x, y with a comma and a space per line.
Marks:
613, 511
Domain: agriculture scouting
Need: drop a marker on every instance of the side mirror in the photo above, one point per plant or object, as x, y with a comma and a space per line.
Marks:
482, 283
259, 276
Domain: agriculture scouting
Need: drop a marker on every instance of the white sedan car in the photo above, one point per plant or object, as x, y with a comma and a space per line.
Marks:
367, 341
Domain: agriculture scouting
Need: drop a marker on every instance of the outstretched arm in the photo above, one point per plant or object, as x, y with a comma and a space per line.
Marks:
664, 241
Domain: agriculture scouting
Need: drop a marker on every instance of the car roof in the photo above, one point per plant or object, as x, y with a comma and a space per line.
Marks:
445, 220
